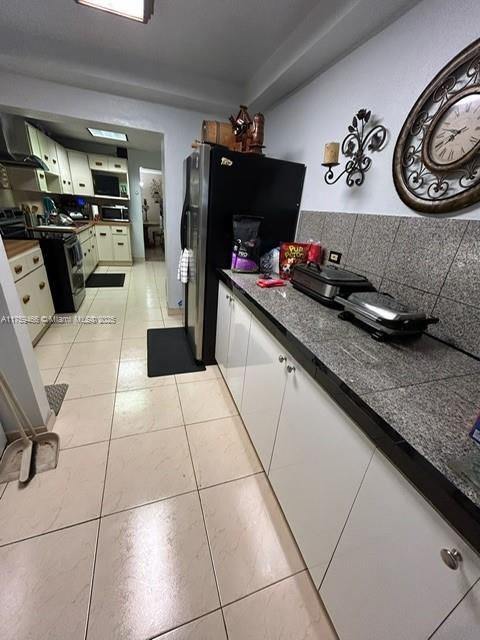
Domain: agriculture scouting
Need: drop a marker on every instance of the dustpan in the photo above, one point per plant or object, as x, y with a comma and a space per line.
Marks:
25, 457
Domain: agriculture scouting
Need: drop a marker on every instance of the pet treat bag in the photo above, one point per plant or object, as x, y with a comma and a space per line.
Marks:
292, 253
246, 244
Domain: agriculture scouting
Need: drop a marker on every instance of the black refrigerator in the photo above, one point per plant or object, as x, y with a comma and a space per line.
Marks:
218, 185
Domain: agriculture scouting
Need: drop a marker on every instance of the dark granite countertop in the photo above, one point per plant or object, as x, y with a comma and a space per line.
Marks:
427, 392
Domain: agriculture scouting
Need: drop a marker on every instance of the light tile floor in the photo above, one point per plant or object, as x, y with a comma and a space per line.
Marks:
158, 521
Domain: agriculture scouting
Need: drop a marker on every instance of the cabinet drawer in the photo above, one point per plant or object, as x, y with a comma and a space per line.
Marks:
118, 165
98, 163
18, 267
117, 231
34, 259
121, 250
83, 187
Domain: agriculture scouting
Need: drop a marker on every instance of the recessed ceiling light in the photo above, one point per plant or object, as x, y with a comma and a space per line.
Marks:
110, 135
140, 10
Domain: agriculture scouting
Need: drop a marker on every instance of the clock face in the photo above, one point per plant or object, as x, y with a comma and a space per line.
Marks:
457, 132
436, 162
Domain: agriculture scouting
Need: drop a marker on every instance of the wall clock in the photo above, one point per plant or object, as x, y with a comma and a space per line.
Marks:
436, 163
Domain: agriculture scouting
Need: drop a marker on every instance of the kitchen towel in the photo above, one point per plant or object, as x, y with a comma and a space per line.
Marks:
183, 266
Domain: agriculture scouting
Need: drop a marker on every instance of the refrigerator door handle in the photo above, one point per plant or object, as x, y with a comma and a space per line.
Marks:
183, 224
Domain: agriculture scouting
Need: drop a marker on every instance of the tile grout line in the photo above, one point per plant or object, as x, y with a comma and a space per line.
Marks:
94, 564
203, 516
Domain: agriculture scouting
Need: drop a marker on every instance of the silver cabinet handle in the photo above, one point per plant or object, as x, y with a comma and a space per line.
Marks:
452, 558
290, 368
282, 359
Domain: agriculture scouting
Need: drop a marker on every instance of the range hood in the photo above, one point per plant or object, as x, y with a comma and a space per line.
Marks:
14, 145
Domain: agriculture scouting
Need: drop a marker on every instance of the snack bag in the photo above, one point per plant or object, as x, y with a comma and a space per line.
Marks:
246, 244
292, 253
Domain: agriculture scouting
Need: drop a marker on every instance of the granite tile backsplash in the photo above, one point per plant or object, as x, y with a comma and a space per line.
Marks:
430, 263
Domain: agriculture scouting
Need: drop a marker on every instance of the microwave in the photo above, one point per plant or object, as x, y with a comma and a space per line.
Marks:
114, 212
109, 184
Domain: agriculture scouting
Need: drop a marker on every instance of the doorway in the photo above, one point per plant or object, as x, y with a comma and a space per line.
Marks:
151, 192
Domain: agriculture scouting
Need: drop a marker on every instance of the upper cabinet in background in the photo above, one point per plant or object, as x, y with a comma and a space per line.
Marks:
66, 183
67, 171
81, 174
48, 150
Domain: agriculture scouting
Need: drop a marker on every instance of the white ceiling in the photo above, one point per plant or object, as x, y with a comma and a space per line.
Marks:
204, 54
75, 129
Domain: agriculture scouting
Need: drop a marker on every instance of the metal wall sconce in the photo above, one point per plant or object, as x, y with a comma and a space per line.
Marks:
354, 146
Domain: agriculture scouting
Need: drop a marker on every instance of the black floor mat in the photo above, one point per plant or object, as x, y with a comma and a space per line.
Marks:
169, 352
55, 396
105, 280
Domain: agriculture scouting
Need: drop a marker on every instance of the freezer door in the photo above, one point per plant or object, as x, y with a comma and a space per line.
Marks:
196, 243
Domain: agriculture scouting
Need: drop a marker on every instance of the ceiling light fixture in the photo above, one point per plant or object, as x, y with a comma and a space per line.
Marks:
139, 10
110, 135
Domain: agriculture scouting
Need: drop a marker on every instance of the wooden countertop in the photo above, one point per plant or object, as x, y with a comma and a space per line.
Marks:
78, 229
111, 223
14, 248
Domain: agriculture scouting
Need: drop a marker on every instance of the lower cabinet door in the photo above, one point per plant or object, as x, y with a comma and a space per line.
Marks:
265, 378
42, 292
319, 462
93, 246
224, 308
121, 249
27, 292
237, 350
104, 243
387, 578
464, 622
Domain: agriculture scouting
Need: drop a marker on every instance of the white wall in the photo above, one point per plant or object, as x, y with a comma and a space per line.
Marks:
137, 159
386, 75
180, 127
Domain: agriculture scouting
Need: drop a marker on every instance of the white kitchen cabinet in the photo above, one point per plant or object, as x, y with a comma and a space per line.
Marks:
464, 622
237, 349
26, 292
64, 170
33, 289
224, 309
117, 165
40, 181
121, 248
49, 153
103, 234
27, 179
88, 258
98, 162
93, 246
42, 292
318, 464
387, 578
265, 379
81, 174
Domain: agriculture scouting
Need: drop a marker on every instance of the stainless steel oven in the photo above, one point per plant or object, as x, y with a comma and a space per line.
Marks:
114, 212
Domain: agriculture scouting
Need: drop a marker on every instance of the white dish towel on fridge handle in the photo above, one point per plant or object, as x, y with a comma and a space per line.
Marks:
183, 266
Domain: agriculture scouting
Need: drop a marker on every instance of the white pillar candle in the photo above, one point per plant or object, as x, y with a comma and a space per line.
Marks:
332, 150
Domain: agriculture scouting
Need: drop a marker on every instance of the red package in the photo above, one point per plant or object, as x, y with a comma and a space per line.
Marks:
315, 253
267, 284
292, 253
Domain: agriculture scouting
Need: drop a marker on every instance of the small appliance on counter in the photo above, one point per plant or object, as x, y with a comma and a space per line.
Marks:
383, 315
325, 283
114, 212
